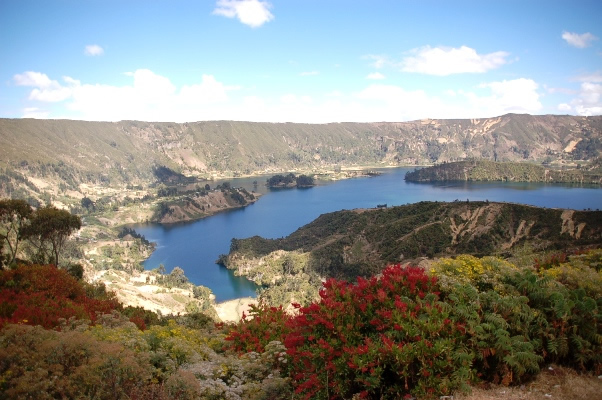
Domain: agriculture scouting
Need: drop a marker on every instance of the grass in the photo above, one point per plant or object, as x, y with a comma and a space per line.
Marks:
554, 382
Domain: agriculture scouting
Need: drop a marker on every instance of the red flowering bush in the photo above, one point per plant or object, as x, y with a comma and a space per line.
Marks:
43, 294
384, 338
263, 325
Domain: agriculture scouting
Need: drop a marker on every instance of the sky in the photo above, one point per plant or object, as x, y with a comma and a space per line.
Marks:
308, 61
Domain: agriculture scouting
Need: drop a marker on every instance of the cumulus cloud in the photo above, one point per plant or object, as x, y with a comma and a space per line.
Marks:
253, 13
375, 76
444, 61
589, 100
594, 77
518, 95
44, 88
93, 50
34, 112
32, 78
149, 96
578, 40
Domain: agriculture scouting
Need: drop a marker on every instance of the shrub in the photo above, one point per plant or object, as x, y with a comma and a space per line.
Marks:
43, 364
43, 295
261, 326
380, 338
484, 273
568, 330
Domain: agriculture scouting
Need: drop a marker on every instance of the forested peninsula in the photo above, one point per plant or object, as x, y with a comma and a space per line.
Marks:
352, 243
485, 170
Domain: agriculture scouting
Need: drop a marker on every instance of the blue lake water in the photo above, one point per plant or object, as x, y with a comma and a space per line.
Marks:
195, 246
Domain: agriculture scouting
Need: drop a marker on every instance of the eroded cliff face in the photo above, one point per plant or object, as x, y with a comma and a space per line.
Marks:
196, 206
126, 151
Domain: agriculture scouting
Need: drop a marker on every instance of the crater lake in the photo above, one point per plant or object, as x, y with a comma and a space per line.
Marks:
195, 246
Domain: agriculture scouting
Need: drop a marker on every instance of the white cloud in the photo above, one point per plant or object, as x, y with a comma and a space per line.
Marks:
253, 13
207, 92
50, 95
309, 73
563, 107
375, 75
152, 97
93, 50
589, 100
34, 112
37, 79
45, 89
578, 40
594, 77
334, 93
149, 97
518, 95
446, 61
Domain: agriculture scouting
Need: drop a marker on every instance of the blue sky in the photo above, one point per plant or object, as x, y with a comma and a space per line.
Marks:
298, 60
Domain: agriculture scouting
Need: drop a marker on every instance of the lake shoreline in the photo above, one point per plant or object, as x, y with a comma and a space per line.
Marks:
195, 246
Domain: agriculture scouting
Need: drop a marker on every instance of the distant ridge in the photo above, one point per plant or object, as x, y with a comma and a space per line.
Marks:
128, 151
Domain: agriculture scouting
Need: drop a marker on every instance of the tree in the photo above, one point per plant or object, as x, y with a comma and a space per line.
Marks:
49, 230
87, 204
14, 217
305, 181
177, 277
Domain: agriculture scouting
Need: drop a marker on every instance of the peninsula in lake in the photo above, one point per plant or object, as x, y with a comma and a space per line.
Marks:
485, 170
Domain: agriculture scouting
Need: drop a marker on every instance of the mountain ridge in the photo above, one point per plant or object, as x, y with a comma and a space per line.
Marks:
207, 148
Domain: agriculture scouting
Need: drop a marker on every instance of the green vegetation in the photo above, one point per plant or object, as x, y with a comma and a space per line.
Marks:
483, 170
290, 180
347, 244
406, 333
197, 204
412, 334
46, 231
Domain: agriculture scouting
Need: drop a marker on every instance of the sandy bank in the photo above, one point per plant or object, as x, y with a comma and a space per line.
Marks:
231, 310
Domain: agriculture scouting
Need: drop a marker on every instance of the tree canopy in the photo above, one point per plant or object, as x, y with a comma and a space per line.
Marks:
14, 217
49, 230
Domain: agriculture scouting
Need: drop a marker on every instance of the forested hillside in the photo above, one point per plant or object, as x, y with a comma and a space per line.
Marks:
484, 170
347, 244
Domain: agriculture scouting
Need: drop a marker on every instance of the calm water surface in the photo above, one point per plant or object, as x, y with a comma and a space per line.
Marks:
195, 246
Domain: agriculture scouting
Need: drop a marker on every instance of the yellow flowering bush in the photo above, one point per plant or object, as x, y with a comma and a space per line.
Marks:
483, 273
577, 271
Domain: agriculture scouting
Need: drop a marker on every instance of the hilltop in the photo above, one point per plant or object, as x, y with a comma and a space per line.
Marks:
351, 243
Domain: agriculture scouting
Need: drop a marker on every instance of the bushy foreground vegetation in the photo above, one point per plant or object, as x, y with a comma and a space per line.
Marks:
405, 333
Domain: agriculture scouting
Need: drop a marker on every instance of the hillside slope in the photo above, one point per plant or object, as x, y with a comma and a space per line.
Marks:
347, 244
126, 151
